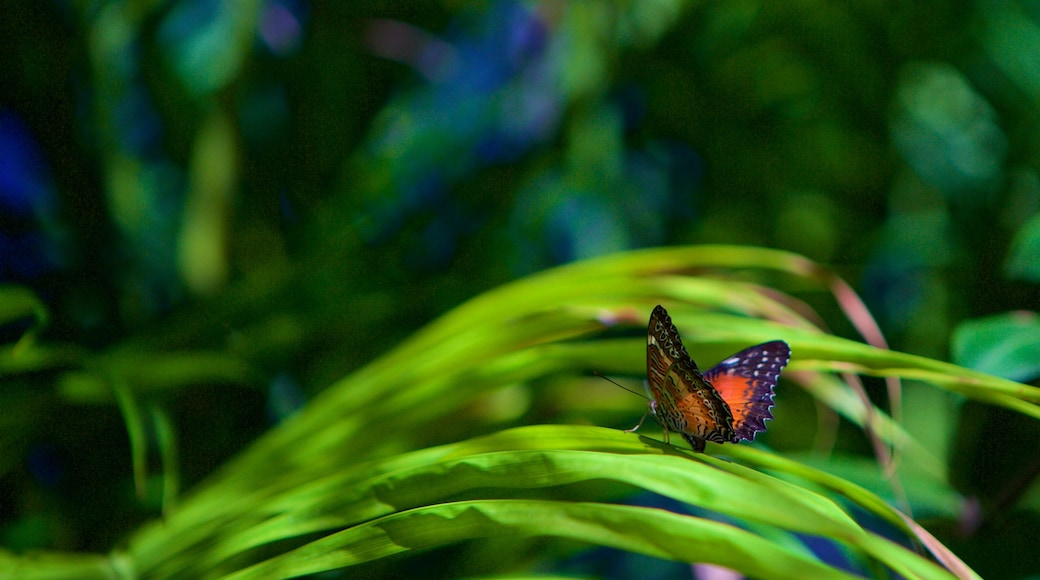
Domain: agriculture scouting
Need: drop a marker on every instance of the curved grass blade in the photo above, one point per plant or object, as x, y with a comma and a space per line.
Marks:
648, 531
516, 459
506, 337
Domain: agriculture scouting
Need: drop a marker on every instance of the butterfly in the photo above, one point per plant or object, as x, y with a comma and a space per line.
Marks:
729, 403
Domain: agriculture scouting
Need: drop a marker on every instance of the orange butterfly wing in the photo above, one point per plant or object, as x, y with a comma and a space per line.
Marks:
746, 381
682, 400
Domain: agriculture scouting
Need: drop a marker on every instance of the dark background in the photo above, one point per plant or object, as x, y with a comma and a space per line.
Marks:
307, 183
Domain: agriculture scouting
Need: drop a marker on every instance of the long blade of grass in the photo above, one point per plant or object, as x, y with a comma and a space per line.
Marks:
645, 530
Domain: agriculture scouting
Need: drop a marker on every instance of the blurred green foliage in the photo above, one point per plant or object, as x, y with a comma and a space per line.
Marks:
210, 212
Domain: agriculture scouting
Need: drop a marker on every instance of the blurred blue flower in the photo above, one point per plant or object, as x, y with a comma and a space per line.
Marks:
485, 103
32, 238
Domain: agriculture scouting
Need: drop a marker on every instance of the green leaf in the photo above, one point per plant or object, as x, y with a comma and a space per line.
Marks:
648, 531
1023, 262
1006, 345
532, 458
17, 303
64, 566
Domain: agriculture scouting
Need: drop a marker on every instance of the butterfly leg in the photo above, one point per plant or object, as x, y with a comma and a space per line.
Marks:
639, 424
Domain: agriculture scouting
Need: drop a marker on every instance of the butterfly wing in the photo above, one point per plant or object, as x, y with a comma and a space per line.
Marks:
746, 381
682, 400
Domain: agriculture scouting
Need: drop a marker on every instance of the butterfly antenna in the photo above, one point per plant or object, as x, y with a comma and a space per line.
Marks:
641, 395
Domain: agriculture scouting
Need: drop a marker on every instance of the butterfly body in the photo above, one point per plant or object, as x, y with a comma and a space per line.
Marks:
728, 403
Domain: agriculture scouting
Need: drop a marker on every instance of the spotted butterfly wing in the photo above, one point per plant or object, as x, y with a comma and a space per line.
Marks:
682, 401
729, 403
746, 381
